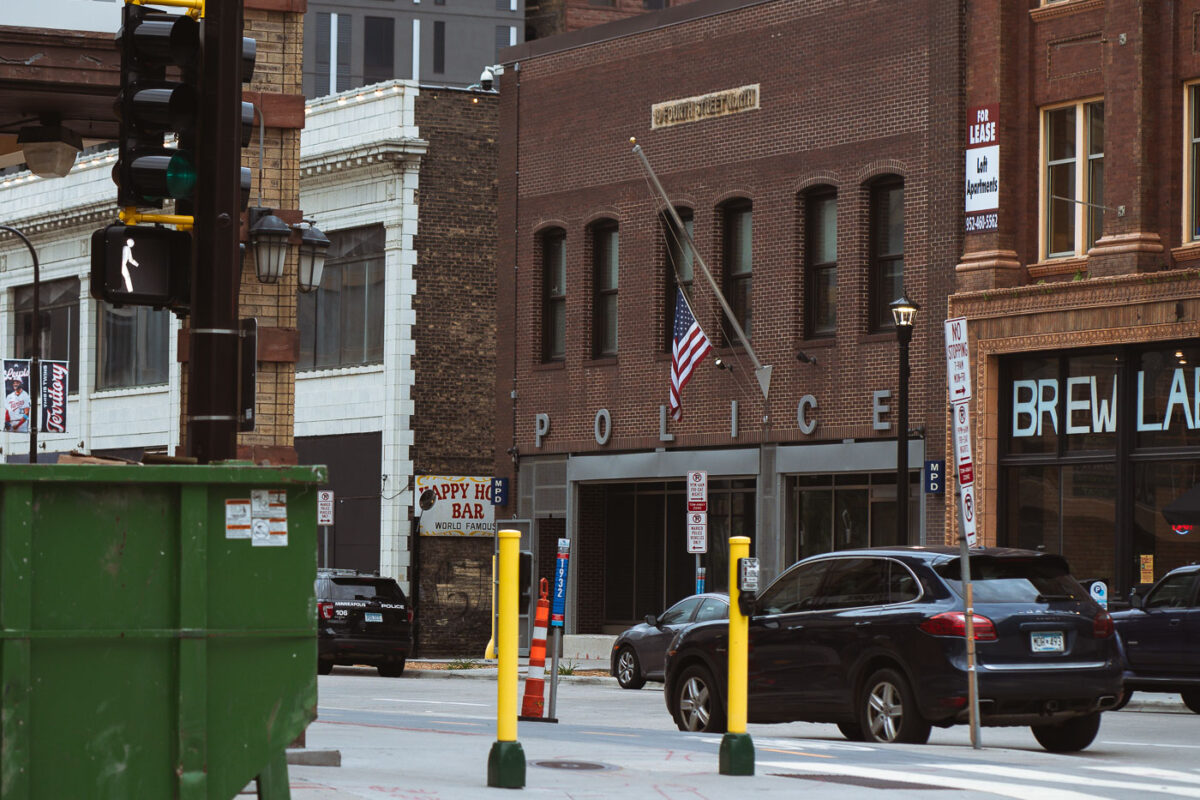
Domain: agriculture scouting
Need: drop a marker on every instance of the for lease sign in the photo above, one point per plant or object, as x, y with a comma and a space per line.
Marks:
462, 506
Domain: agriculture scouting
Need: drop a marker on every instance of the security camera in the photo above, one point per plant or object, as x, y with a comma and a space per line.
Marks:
485, 79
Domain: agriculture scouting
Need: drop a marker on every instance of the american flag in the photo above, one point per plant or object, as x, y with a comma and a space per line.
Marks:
691, 345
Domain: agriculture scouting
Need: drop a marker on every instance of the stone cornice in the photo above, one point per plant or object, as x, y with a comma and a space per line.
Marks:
1064, 8
90, 214
1090, 293
392, 151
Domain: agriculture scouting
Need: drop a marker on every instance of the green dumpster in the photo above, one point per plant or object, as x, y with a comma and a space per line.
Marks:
157, 628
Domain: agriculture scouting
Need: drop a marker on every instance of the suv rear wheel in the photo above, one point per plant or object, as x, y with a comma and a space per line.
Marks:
1070, 736
393, 669
888, 710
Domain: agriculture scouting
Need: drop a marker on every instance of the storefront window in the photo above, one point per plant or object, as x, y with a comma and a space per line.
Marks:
840, 512
1031, 405
1090, 403
1157, 548
1168, 390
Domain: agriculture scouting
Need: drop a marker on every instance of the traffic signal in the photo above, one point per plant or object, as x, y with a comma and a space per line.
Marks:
159, 95
140, 265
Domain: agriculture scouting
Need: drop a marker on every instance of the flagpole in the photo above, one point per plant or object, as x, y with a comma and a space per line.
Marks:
761, 371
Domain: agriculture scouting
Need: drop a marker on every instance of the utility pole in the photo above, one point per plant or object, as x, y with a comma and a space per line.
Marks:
212, 400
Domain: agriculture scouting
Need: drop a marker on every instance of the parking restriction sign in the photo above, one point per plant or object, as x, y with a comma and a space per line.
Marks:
697, 491
324, 507
697, 532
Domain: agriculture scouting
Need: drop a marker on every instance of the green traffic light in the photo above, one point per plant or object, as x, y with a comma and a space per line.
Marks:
181, 176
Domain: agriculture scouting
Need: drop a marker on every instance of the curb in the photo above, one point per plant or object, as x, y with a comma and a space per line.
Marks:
491, 673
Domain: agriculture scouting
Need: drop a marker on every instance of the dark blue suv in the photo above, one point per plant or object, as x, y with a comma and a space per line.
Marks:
1161, 634
875, 641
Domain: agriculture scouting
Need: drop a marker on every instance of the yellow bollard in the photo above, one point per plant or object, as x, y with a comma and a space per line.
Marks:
736, 754
506, 761
490, 650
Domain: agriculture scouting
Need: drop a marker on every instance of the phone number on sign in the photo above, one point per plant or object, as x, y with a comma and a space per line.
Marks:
982, 222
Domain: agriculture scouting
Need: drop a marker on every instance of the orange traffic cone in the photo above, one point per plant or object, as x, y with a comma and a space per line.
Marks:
533, 704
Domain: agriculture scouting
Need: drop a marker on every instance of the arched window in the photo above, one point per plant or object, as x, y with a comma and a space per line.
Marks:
820, 261
886, 248
554, 295
737, 266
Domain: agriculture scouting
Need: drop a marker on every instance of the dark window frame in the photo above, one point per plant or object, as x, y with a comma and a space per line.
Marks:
606, 255
145, 363
385, 68
815, 270
882, 259
737, 285
328, 343
554, 303
56, 298
676, 256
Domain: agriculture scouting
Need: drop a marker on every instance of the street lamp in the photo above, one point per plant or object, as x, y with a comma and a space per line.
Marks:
36, 348
269, 238
903, 313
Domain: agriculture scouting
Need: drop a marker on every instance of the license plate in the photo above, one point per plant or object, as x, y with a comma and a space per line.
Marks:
375, 616
1046, 642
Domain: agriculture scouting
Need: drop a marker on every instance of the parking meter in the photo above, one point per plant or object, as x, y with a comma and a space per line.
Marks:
747, 585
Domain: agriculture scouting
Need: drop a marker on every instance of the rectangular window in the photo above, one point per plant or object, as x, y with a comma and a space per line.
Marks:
131, 346
605, 260
506, 36
379, 49
341, 323
820, 255
887, 249
58, 324
679, 269
554, 296
1192, 173
1073, 159
738, 266
439, 47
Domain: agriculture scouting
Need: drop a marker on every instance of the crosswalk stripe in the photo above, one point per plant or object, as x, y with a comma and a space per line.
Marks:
1021, 791
1074, 779
1153, 772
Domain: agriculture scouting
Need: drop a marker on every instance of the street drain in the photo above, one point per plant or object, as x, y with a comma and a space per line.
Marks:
850, 780
581, 765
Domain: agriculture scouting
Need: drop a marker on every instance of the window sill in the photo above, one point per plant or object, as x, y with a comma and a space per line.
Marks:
1063, 9
333, 372
1055, 267
1188, 252
546, 366
601, 361
126, 391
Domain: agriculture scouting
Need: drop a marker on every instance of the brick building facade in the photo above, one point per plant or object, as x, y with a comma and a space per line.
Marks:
813, 162
1082, 288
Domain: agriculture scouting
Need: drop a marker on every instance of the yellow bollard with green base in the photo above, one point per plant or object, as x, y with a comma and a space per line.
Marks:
737, 749
506, 761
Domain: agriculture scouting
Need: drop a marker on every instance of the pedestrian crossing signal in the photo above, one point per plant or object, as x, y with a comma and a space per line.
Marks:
141, 265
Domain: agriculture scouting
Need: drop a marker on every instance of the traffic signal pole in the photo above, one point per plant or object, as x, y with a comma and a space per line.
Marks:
212, 398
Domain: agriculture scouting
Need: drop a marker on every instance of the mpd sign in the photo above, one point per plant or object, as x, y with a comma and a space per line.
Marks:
140, 265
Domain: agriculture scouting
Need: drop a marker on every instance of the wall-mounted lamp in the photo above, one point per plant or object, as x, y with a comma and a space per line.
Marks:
720, 364
49, 150
269, 236
805, 358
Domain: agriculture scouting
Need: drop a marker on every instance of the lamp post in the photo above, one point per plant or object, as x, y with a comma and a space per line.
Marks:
903, 313
35, 350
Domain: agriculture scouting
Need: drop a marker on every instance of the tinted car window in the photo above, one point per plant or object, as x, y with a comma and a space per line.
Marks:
854, 582
1014, 580
1175, 591
712, 608
680, 612
796, 590
350, 589
902, 586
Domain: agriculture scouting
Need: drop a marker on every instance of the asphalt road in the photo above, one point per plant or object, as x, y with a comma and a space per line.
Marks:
409, 738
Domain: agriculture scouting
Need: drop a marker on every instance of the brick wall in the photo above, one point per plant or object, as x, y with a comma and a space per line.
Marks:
843, 99
454, 338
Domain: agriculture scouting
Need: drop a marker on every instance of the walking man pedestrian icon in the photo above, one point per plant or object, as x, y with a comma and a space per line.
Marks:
127, 259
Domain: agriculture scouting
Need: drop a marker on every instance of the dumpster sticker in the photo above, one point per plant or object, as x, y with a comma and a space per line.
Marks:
237, 518
268, 512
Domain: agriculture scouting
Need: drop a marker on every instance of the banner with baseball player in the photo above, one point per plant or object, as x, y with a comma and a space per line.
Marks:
17, 405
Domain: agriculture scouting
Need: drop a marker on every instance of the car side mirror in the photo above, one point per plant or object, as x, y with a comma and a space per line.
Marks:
652, 621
